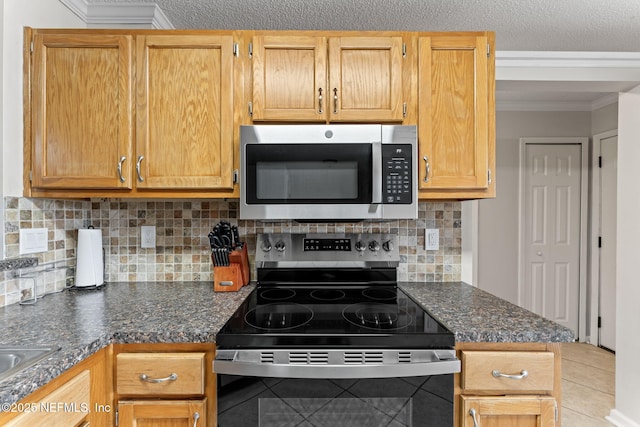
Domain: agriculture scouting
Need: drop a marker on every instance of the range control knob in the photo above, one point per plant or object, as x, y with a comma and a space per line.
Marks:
280, 246
360, 246
387, 246
265, 245
374, 246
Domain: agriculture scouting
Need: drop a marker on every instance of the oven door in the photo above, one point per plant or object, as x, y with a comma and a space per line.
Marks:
421, 401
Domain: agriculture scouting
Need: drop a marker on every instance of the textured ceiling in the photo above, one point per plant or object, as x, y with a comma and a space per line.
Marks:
547, 25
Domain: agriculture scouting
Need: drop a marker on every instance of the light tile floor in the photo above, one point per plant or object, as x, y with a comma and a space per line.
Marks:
588, 385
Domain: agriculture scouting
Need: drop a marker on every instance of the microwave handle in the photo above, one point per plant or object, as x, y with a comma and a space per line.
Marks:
376, 171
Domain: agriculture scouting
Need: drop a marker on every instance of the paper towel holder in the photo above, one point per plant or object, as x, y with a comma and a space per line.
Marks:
90, 260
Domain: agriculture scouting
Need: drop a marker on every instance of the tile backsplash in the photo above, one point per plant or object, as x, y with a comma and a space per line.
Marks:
181, 252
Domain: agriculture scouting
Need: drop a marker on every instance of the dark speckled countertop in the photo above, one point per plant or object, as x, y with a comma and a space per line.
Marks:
83, 322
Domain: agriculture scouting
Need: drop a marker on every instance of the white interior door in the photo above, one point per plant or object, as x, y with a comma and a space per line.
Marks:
608, 221
552, 226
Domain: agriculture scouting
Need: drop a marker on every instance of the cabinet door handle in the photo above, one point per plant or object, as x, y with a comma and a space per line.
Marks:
335, 100
171, 377
523, 374
122, 159
472, 413
196, 417
320, 100
427, 168
140, 159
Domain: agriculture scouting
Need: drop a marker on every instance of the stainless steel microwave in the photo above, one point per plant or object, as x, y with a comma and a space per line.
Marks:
328, 172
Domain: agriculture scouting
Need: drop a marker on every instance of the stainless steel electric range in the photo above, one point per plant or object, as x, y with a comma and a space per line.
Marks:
327, 338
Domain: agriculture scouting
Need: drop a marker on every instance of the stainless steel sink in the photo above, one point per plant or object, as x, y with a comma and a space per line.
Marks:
13, 359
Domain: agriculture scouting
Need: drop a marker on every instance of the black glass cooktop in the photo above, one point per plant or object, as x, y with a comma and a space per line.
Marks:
322, 317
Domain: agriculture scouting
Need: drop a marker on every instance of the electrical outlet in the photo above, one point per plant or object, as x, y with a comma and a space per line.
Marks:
432, 239
148, 236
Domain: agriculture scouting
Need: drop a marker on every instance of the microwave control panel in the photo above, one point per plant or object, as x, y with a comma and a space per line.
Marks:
396, 174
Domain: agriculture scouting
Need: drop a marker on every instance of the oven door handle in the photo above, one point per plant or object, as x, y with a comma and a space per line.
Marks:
248, 363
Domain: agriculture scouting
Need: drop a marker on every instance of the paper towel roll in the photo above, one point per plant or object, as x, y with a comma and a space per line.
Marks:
89, 264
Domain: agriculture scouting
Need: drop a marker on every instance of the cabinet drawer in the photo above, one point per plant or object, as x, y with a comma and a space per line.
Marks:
505, 371
160, 373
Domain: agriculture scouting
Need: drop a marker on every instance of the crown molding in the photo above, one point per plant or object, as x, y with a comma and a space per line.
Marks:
601, 102
146, 15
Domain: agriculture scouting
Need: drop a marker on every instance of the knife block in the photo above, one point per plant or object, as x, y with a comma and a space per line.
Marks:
241, 257
227, 279
234, 276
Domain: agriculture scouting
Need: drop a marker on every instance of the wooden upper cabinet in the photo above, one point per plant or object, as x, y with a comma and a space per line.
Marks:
289, 78
81, 111
320, 79
184, 137
454, 113
365, 79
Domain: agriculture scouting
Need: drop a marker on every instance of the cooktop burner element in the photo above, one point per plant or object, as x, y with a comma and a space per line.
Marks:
327, 294
377, 316
278, 316
277, 294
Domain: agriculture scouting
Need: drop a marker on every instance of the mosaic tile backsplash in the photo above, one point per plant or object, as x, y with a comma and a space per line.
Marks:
181, 252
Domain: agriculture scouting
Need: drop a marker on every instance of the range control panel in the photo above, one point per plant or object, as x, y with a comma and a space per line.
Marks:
396, 174
334, 248
327, 244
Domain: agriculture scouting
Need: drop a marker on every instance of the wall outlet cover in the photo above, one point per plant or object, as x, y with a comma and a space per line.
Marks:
432, 239
148, 236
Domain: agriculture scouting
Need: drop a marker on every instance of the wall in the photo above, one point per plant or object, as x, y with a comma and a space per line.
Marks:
498, 218
627, 412
182, 253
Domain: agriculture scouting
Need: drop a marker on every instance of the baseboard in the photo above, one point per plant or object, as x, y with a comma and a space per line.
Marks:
620, 420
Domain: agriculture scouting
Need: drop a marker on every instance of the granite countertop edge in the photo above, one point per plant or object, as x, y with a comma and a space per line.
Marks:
471, 314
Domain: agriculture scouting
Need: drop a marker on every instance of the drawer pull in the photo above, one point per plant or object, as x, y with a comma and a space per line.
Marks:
171, 377
196, 417
472, 413
523, 374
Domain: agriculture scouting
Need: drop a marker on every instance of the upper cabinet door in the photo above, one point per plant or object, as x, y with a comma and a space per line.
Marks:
289, 78
453, 112
81, 111
184, 112
365, 79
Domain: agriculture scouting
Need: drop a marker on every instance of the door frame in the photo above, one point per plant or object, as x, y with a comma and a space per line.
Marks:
584, 187
594, 232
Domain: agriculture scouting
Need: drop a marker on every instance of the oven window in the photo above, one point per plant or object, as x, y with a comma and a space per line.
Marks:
308, 173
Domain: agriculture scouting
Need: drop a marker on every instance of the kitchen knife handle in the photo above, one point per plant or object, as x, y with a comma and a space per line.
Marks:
122, 159
320, 100
140, 159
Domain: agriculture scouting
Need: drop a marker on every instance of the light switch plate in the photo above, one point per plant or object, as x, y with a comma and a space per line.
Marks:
33, 240
148, 236
432, 239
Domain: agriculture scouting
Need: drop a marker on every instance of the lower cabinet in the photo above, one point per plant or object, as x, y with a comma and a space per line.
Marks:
509, 411
168, 413
80, 397
508, 384
165, 384
74, 395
